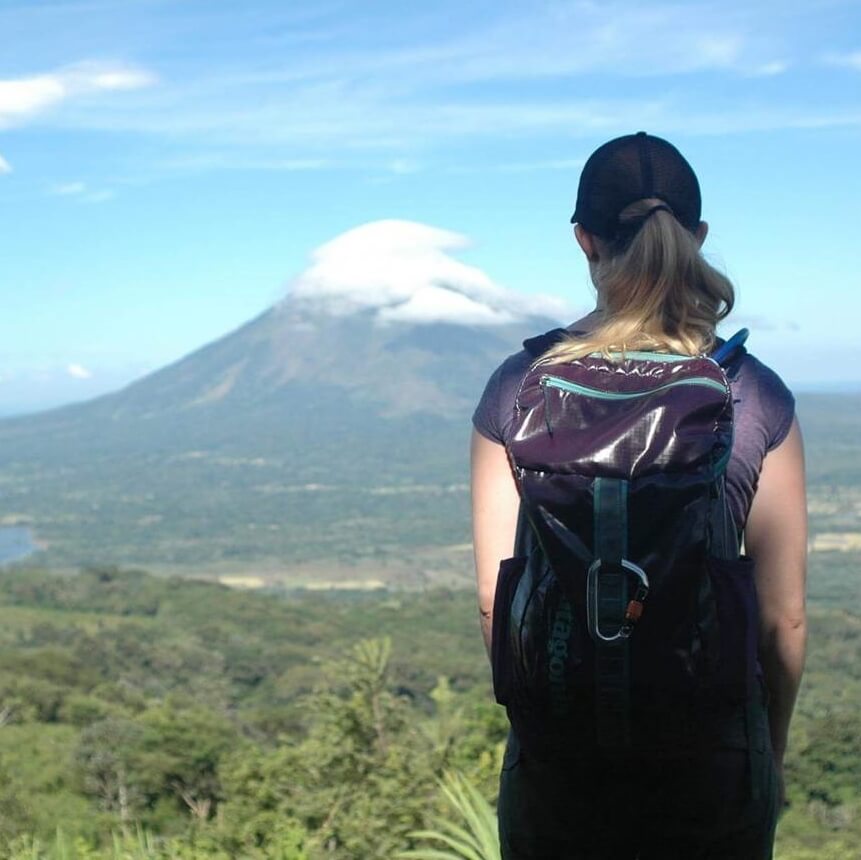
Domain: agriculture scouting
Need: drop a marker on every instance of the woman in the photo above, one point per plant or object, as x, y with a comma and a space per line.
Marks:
638, 224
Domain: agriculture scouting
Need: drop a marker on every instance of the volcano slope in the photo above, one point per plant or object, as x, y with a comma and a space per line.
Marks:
301, 439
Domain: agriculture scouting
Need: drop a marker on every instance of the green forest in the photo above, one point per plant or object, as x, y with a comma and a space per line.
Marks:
150, 717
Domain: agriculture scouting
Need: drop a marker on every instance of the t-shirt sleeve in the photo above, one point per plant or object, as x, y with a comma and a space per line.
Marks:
778, 406
486, 418
494, 414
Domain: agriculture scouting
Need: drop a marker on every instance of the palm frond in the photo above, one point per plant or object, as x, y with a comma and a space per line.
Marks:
473, 837
462, 845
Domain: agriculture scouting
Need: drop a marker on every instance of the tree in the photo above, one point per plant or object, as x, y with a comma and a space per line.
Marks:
108, 758
360, 780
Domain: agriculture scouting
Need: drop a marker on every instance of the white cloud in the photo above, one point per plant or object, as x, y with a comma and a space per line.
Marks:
5, 167
81, 191
621, 39
550, 164
100, 196
404, 271
439, 304
757, 323
29, 95
21, 99
202, 161
78, 371
403, 166
770, 69
122, 79
68, 189
851, 60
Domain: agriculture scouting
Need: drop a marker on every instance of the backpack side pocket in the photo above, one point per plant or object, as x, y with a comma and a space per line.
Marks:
737, 610
510, 572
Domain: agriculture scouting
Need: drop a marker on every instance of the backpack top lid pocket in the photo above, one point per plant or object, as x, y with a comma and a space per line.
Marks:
627, 418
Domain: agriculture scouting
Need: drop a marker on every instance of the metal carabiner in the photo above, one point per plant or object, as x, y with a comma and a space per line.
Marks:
633, 610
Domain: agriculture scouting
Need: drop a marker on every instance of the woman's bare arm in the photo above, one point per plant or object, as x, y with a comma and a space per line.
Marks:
494, 520
776, 537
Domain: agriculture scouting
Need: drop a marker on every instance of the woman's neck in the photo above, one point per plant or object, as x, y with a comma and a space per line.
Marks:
587, 323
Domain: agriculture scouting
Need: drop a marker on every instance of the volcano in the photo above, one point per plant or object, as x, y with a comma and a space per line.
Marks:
333, 428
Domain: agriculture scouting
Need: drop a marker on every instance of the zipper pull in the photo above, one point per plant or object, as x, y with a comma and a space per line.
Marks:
546, 406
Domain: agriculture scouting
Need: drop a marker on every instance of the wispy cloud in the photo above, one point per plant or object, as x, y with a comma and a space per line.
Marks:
22, 99
238, 160
547, 164
5, 167
770, 69
317, 92
102, 196
758, 322
371, 125
81, 191
78, 371
851, 60
351, 125
68, 189
404, 166
555, 40
616, 38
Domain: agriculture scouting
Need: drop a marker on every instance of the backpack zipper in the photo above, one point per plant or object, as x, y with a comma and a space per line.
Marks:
548, 381
666, 357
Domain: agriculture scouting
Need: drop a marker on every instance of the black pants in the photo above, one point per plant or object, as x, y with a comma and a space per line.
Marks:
715, 804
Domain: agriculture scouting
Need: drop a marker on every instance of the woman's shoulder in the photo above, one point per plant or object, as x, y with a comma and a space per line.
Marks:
762, 398
514, 367
495, 411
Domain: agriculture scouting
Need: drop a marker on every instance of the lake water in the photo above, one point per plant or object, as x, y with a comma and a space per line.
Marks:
16, 542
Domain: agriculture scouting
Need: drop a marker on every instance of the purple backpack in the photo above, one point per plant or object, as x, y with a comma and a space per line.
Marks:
627, 617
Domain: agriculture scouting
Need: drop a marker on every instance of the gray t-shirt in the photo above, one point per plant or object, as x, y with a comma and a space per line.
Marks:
763, 407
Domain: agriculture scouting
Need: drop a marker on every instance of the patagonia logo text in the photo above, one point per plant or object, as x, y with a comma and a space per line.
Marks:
558, 653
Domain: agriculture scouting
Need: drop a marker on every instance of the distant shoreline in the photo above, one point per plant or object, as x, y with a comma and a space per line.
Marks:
826, 387
9, 412
16, 543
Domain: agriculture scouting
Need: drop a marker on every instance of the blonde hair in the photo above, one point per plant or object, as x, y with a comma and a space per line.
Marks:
657, 291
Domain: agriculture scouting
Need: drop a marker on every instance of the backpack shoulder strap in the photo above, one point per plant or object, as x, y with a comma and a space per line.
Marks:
537, 346
731, 349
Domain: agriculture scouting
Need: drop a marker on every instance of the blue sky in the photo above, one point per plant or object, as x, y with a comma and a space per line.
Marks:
168, 168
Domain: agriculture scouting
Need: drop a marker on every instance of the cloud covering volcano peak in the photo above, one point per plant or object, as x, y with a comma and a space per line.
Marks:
406, 272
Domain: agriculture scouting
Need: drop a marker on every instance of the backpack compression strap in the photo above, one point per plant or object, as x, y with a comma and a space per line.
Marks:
538, 345
607, 593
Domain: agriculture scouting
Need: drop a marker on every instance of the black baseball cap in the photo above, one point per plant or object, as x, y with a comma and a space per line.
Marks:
635, 167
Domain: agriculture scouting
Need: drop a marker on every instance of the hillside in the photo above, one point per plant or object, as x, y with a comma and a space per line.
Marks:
253, 725
280, 498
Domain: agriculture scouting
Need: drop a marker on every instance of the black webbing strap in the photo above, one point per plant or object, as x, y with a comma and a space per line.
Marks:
751, 709
522, 534
612, 659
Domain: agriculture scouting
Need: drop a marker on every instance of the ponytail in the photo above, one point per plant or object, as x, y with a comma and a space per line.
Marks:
658, 292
